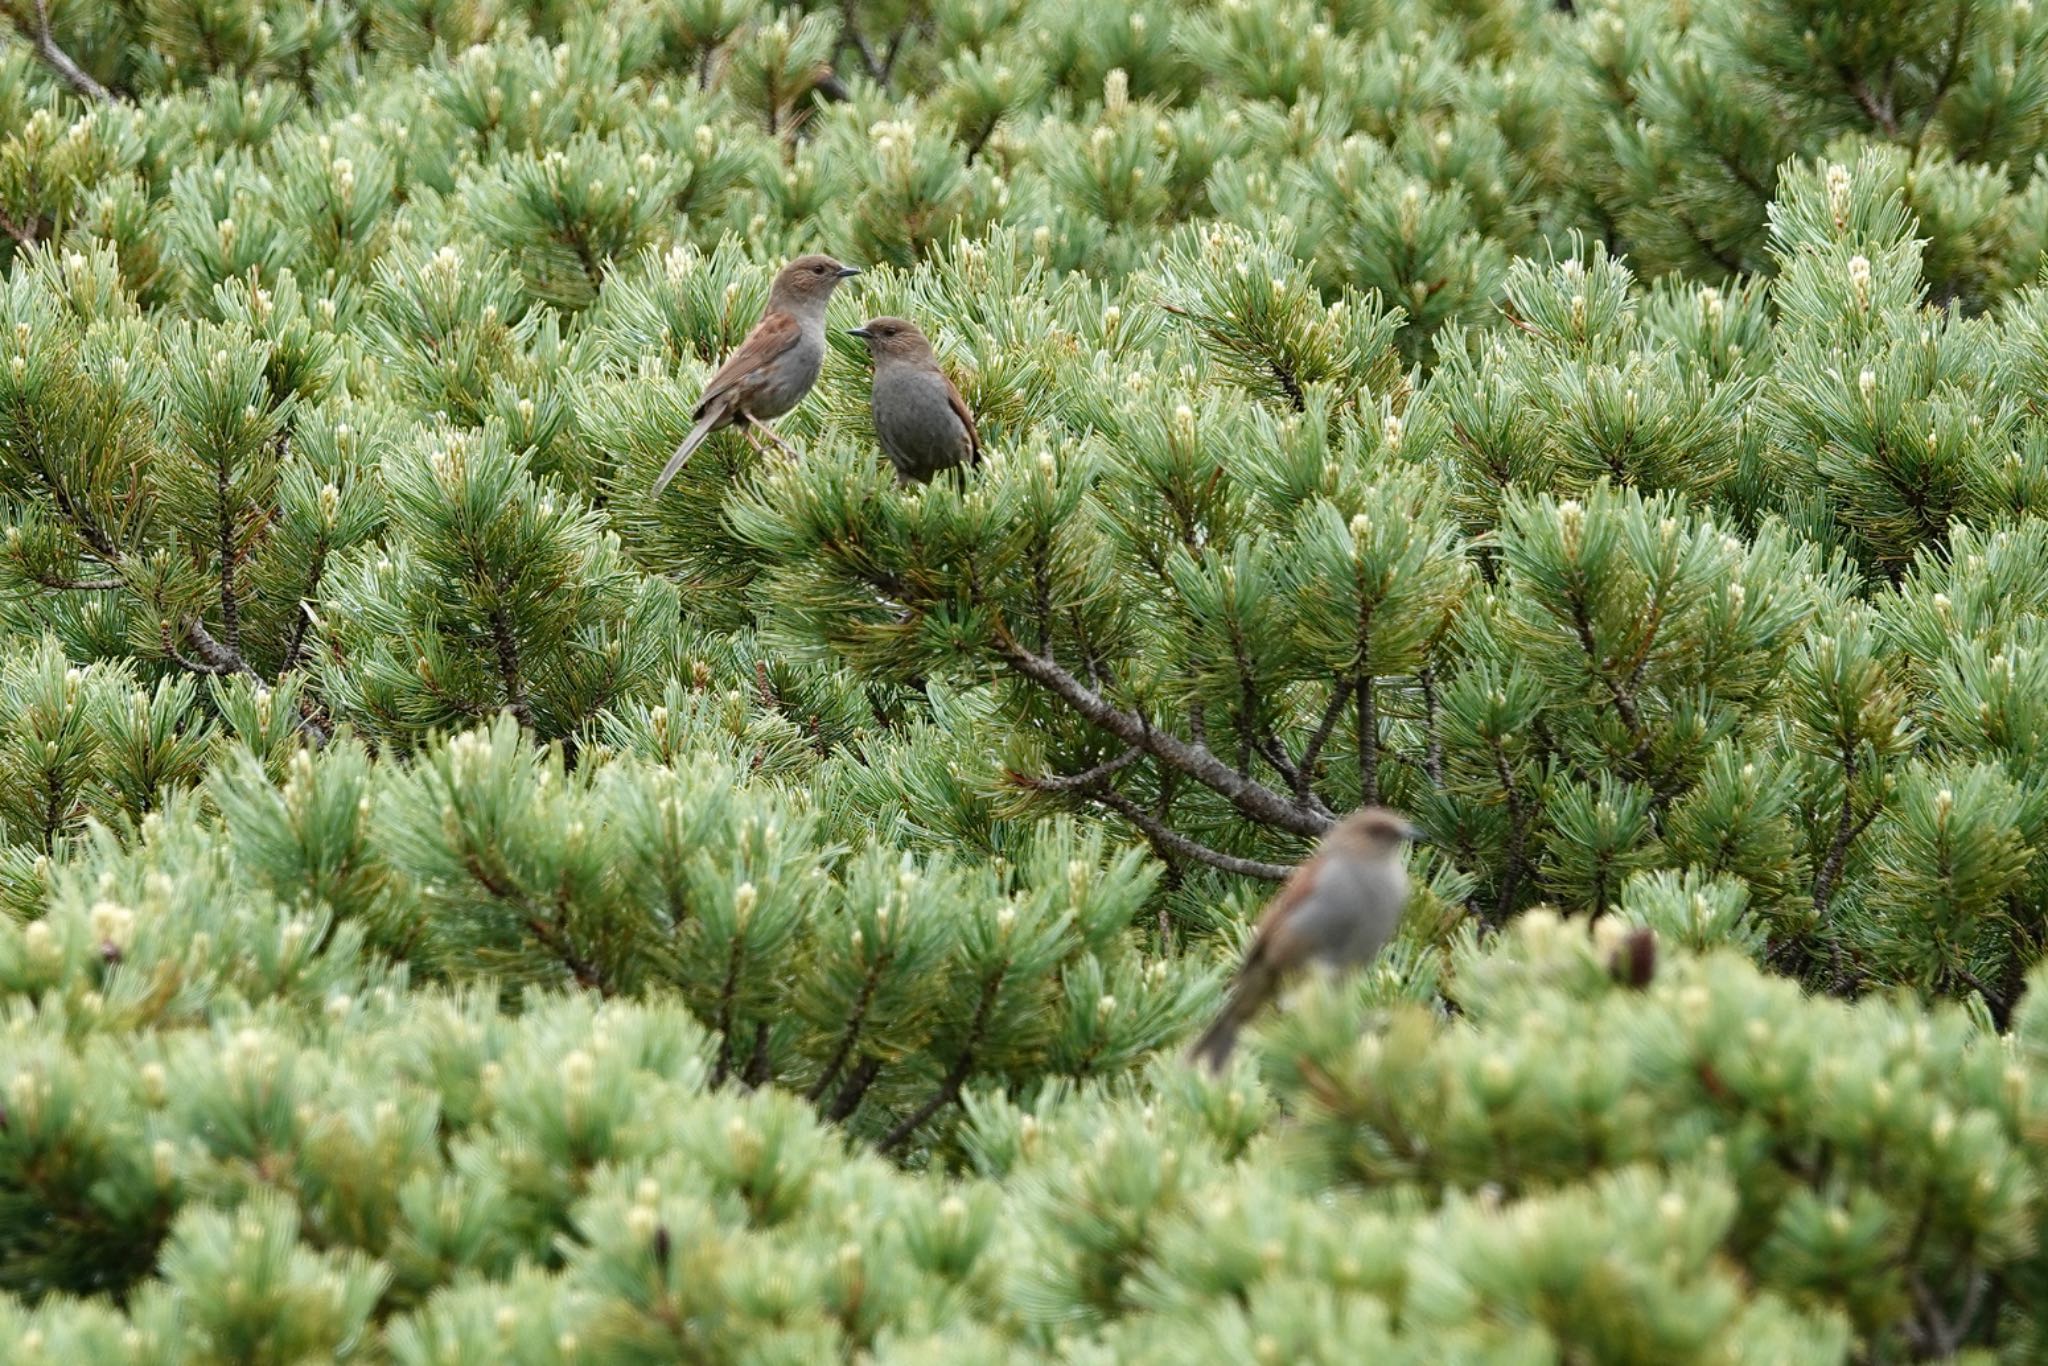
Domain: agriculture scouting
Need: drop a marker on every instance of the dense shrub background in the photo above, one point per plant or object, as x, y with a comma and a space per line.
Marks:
454, 908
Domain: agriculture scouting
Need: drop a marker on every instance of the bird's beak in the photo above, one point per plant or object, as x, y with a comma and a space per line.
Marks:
845, 271
860, 332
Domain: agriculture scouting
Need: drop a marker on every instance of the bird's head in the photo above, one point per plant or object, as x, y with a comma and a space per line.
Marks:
893, 339
807, 283
1374, 832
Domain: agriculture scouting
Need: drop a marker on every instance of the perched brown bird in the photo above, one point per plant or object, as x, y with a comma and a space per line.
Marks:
774, 367
920, 418
1338, 909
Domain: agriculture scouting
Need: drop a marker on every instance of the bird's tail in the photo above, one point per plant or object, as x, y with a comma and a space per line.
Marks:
1247, 994
690, 443
1213, 1049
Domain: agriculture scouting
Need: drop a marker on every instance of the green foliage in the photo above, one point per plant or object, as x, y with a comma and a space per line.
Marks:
454, 907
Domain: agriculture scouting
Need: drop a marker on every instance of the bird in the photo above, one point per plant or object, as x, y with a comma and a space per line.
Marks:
1338, 909
920, 419
774, 367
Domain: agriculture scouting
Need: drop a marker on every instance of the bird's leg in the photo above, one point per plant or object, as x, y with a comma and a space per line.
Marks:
773, 435
747, 431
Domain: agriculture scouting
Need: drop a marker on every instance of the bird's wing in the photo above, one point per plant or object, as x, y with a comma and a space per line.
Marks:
966, 420
1273, 927
772, 336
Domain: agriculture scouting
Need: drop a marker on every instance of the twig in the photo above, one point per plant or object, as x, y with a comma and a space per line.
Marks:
1075, 782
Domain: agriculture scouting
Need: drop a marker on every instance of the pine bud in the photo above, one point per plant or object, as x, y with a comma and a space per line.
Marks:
1838, 195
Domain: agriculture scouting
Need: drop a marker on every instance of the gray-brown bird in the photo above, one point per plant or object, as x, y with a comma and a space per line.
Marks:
1338, 909
774, 367
920, 418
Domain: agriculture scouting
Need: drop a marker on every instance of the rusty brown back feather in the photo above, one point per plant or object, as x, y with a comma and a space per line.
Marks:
773, 335
960, 411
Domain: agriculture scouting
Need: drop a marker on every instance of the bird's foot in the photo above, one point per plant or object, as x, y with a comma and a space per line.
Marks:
758, 425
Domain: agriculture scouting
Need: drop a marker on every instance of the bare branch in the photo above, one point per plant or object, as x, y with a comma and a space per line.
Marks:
59, 61
1248, 795
1075, 782
1170, 839
1305, 773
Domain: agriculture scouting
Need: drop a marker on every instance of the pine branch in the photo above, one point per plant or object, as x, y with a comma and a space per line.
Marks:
224, 531
1518, 836
1368, 744
1076, 782
1847, 828
582, 969
59, 61
74, 585
855, 1021
850, 31
1172, 840
539, 926
856, 1089
1433, 751
726, 995
507, 648
758, 1065
956, 1076
1248, 795
1304, 773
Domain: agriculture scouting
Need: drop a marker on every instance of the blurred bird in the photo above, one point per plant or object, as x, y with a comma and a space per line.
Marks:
920, 418
1338, 909
774, 367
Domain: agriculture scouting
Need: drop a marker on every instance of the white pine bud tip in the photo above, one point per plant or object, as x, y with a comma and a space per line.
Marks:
111, 923
744, 899
1866, 383
641, 1222
1361, 527
576, 1069
1393, 429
